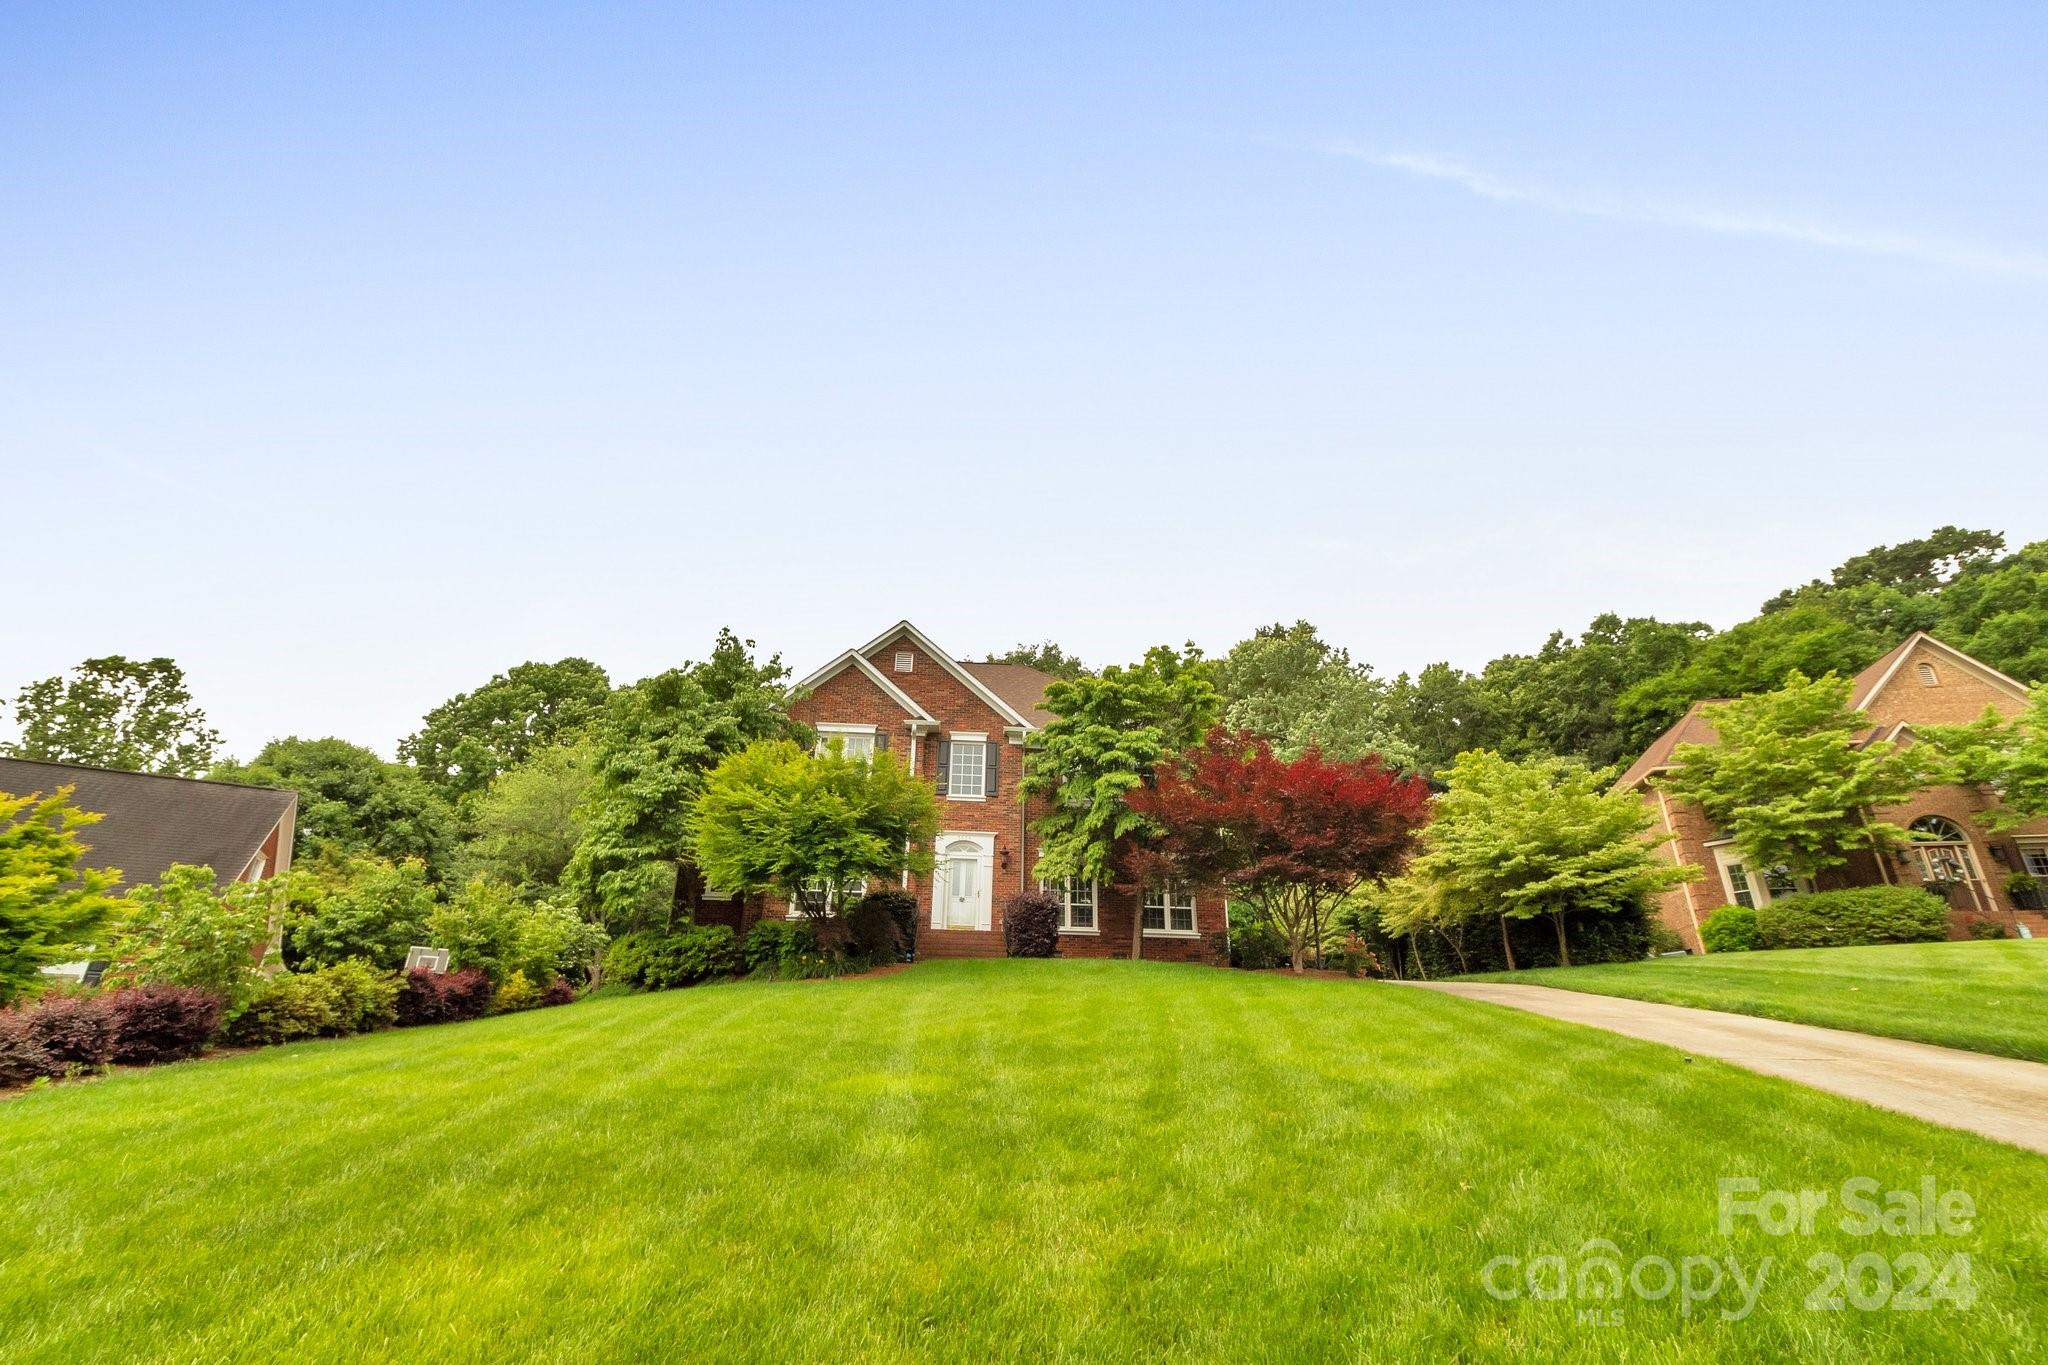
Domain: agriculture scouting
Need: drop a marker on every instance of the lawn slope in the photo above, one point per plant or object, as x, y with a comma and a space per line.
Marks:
971, 1161
1985, 997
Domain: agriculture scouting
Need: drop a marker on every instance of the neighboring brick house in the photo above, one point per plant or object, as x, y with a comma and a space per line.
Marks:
1921, 682
962, 726
149, 822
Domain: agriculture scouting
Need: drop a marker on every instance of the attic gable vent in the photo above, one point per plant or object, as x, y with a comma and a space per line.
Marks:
1928, 677
904, 659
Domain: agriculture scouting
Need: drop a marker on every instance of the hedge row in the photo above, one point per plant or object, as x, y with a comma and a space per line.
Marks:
1830, 919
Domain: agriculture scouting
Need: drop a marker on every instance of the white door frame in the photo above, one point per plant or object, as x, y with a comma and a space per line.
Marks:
984, 855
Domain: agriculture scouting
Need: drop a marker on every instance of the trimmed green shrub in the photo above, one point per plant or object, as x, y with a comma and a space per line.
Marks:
1031, 925
288, 1007
652, 960
162, 1023
1841, 919
1989, 928
1256, 946
774, 941
1731, 929
364, 997
1664, 939
517, 993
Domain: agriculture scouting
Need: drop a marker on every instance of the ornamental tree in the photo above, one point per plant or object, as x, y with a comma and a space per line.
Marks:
471, 738
1287, 838
50, 907
1543, 836
776, 819
1112, 730
113, 712
2006, 758
653, 747
181, 931
1792, 780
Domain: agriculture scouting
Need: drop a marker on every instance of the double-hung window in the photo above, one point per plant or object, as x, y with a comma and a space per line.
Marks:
967, 767
854, 741
1169, 909
1077, 904
835, 898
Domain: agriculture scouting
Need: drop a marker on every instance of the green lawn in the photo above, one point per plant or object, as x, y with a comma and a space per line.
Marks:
971, 1161
1987, 997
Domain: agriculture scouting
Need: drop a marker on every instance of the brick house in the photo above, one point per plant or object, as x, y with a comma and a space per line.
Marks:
962, 726
1921, 682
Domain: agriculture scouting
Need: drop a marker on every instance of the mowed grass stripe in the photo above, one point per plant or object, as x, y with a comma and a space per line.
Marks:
964, 1161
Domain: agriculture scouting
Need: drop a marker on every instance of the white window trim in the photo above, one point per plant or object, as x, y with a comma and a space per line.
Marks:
2032, 846
834, 902
1728, 856
966, 737
1166, 905
1059, 893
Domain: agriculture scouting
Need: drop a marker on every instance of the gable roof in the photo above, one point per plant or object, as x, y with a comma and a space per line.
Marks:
153, 821
1691, 728
1021, 685
858, 660
1872, 680
952, 666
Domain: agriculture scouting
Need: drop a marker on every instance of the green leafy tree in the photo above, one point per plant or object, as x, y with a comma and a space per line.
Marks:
470, 739
1998, 612
183, 932
1046, 656
115, 712
1752, 657
351, 801
1562, 699
1112, 730
1912, 568
1437, 714
50, 907
1290, 687
1790, 778
2006, 758
776, 819
524, 827
654, 745
1542, 836
360, 907
488, 925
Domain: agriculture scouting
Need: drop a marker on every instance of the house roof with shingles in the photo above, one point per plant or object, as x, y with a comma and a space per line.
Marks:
150, 821
1021, 685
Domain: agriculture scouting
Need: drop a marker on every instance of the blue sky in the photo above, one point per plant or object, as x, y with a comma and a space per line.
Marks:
351, 355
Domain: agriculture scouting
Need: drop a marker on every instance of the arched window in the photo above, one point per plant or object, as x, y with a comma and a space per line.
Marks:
1928, 677
1938, 829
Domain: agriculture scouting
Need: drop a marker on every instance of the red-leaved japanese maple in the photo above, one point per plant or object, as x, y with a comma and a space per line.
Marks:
1287, 838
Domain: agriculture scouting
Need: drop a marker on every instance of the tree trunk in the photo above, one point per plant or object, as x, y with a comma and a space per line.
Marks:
1415, 948
1505, 946
1137, 932
1297, 950
1564, 954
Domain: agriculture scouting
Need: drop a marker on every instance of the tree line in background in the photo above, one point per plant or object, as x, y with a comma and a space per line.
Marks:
550, 792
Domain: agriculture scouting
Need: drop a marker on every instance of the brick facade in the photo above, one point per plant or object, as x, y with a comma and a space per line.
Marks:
1920, 683
847, 695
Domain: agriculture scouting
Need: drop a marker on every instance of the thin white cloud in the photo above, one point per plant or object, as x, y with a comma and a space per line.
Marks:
1957, 255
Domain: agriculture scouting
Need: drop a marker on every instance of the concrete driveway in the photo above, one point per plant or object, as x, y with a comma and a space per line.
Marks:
1995, 1096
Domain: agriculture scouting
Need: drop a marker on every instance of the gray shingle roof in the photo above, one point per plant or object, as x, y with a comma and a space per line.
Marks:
151, 822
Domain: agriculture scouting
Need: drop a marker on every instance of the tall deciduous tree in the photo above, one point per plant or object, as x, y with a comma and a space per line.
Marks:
654, 745
471, 738
351, 801
1291, 687
2007, 758
1542, 836
776, 819
1791, 778
1287, 838
1111, 731
113, 712
1046, 656
525, 826
50, 907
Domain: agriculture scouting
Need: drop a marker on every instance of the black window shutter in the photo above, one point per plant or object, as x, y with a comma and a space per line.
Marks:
881, 741
945, 763
988, 767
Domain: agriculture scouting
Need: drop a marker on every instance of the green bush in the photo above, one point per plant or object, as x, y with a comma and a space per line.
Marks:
288, 1007
1841, 919
1256, 946
488, 925
1731, 929
365, 998
517, 993
772, 943
1664, 939
1989, 928
653, 960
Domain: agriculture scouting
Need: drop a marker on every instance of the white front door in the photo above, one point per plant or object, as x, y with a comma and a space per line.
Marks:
961, 892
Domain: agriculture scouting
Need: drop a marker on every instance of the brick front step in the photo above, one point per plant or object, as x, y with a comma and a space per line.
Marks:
959, 943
